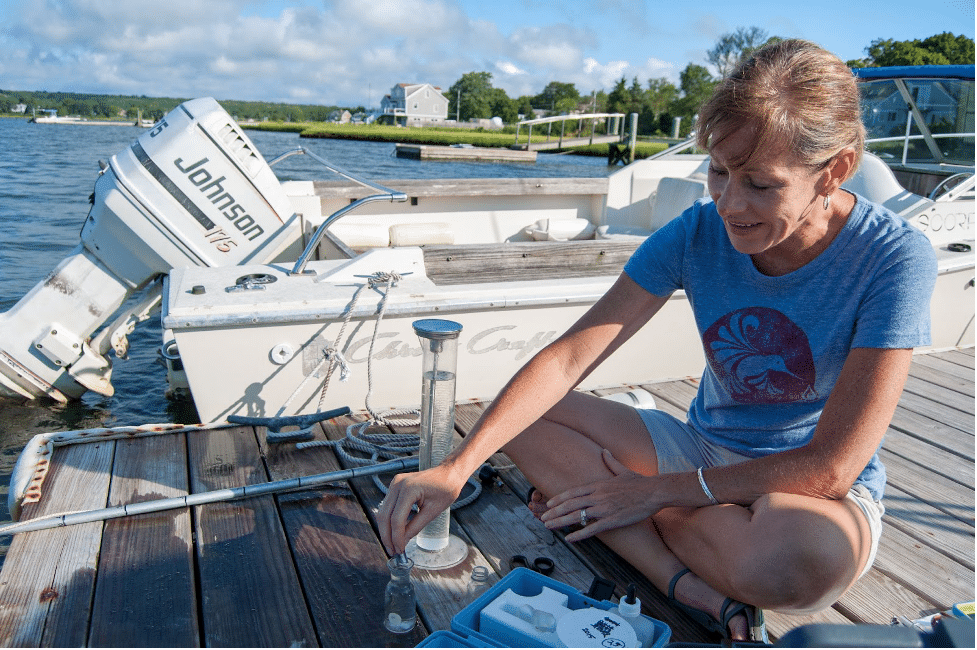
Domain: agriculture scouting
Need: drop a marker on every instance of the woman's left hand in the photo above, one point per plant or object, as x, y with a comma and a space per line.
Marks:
624, 499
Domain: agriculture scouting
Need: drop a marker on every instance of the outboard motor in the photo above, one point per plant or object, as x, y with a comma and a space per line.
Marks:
193, 190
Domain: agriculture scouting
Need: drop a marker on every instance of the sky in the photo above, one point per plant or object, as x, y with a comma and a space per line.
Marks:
352, 52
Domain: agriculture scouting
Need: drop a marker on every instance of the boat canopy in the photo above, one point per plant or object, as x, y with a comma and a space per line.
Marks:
920, 115
916, 72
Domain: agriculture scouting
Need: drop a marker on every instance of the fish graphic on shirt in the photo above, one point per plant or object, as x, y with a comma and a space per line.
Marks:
761, 356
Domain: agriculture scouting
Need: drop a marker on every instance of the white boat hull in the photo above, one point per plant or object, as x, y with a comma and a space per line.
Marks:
255, 361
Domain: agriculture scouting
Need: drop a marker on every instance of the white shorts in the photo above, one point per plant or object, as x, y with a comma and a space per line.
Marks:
681, 449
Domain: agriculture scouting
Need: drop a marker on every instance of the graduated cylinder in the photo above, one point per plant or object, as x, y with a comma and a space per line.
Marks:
439, 342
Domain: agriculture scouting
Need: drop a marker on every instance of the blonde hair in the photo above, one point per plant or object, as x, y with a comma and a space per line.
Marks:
794, 94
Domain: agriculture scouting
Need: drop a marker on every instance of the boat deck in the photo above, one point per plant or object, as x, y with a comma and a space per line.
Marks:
306, 568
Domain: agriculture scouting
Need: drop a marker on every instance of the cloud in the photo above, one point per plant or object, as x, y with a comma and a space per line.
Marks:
509, 68
344, 52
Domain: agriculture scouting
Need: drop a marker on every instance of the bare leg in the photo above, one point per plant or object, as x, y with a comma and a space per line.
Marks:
555, 457
784, 552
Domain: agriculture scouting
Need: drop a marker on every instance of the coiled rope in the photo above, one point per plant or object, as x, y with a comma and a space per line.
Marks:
376, 446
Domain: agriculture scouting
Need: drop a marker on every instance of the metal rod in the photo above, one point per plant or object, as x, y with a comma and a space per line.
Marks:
303, 259
214, 496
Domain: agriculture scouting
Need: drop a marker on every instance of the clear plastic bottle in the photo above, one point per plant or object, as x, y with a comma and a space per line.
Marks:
399, 603
478, 584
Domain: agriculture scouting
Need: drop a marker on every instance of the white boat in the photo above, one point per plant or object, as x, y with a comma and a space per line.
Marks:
52, 118
514, 261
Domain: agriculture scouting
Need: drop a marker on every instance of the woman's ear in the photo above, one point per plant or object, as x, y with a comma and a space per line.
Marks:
840, 169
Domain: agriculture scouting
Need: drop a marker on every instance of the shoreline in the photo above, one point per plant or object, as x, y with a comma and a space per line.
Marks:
436, 136
78, 121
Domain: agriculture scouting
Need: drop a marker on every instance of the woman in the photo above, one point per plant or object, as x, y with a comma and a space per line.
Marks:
808, 300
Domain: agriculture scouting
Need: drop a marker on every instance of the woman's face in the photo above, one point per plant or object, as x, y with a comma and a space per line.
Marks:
771, 207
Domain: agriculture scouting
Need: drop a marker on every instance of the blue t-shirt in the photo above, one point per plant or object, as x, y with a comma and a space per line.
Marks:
775, 346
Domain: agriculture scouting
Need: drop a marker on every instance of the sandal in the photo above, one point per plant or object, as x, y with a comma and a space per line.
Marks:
756, 628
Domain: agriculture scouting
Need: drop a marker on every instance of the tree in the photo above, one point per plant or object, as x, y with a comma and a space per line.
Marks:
661, 93
940, 49
557, 93
619, 98
476, 96
735, 46
660, 96
525, 107
697, 85
958, 50
503, 107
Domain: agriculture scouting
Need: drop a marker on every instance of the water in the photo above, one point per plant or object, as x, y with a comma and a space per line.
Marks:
437, 430
48, 172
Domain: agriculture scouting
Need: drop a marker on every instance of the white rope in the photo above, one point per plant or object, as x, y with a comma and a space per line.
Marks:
374, 446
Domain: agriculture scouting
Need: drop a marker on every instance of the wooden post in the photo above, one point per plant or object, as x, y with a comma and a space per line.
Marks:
562, 124
634, 136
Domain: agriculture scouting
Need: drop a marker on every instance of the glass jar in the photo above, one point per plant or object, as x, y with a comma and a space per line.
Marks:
399, 603
478, 584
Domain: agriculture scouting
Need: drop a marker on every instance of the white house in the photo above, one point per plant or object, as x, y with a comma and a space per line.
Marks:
415, 104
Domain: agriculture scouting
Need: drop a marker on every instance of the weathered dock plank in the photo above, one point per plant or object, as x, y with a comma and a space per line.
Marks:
929, 526
931, 488
939, 436
946, 397
45, 600
955, 467
937, 412
341, 566
484, 154
146, 561
250, 592
941, 372
961, 356
441, 591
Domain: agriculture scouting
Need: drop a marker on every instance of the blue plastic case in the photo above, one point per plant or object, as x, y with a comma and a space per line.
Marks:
465, 631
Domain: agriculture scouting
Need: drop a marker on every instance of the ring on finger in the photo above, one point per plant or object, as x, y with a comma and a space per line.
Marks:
583, 517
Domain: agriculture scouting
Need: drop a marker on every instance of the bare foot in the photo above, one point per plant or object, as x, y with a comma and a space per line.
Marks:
537, 503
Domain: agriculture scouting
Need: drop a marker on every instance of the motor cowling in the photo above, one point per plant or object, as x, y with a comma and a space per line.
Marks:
191, 191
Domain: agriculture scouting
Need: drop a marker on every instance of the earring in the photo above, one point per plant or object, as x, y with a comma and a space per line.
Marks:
827, 201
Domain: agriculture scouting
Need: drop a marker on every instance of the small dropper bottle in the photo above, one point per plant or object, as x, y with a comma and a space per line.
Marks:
629, 608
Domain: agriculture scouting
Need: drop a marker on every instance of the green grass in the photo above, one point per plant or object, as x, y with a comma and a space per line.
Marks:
432, 135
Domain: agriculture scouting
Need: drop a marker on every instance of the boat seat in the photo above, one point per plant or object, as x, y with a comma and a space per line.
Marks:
360, 236
560, 230
363, 236
421, 234
875, 181
672, 198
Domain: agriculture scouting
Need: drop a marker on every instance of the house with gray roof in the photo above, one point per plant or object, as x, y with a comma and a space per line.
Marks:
414, 105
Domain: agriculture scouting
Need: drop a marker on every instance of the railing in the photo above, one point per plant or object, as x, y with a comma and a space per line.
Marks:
617, 128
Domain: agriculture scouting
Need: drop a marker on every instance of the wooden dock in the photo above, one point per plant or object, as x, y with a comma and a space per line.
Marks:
478, 154
306, 568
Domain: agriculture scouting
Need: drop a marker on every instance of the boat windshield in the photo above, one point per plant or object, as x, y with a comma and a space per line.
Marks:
925, 122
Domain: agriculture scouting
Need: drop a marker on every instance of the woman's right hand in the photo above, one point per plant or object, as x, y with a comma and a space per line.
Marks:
432, 491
